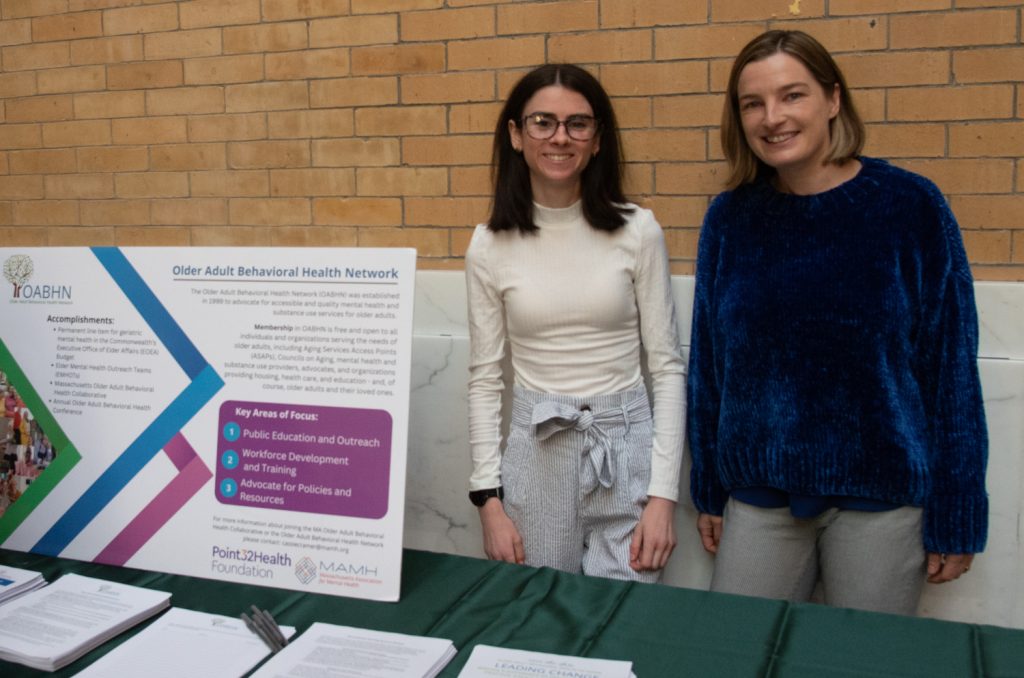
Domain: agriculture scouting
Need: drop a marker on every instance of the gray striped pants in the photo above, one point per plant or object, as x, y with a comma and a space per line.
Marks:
575, 472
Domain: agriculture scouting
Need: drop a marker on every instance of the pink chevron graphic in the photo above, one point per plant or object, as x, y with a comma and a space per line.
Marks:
192, 475
179, 451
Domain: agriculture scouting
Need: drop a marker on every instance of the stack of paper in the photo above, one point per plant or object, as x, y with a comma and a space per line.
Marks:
52, 627
185, 643
15, 582
498, 662
329, 650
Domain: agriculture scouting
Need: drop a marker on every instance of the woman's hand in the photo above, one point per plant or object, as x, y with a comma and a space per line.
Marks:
943, 567
654, 537
710, 529
501, 538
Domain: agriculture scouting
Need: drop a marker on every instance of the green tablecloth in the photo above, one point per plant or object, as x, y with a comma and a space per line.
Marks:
665, 631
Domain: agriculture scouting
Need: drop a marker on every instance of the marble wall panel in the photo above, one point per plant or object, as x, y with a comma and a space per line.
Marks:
440, 518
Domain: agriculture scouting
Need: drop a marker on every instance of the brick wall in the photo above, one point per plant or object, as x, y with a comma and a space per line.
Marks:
367, 122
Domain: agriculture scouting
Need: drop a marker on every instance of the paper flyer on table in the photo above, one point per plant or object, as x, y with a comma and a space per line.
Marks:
185, 643
487, 661
344, 651
228, 413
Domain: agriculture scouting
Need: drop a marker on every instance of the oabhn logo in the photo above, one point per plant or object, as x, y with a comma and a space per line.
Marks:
18, 270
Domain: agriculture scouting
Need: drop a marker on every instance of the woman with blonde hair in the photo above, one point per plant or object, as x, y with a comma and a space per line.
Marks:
835, 411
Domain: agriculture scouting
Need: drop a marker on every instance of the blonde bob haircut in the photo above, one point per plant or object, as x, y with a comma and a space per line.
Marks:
846, 131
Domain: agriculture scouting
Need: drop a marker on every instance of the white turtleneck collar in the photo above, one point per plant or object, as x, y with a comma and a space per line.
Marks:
558, 216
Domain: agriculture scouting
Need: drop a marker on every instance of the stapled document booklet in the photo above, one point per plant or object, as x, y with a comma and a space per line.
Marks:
15, 581
499, 662
335, 651
185, 644
53, 626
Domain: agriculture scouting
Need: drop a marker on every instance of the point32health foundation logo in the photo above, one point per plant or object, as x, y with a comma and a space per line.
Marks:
247, 562
18, 270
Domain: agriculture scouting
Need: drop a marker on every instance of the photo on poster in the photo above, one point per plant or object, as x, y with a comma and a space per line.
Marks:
27, 450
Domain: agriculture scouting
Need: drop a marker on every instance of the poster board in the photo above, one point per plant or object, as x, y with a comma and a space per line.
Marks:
228, 413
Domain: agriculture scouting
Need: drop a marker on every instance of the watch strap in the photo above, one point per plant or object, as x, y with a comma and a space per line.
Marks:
480, 497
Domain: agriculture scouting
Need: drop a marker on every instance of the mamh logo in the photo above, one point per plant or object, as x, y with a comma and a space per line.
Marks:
348, 569
330, 572
18, 270
305, 570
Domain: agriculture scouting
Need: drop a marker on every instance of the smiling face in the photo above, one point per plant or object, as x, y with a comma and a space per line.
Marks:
556, 164
785, 115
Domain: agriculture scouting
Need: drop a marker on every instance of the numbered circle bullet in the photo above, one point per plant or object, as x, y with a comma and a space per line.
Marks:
228, 487
229, 459
232, 431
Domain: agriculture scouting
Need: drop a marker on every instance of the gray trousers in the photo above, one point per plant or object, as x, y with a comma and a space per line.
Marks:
575, 472
865, 560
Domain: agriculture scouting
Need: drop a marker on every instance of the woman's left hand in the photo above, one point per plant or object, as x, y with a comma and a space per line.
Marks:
654, 537
943, 567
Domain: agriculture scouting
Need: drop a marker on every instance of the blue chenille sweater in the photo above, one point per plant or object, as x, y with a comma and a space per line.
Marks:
834, 352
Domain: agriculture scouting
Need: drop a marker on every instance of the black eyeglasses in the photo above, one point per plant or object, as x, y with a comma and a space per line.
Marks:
544, 126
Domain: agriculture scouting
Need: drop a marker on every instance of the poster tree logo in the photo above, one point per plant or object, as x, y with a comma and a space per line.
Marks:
17, 270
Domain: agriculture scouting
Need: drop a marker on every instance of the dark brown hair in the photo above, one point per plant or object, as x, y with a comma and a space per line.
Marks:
601, 181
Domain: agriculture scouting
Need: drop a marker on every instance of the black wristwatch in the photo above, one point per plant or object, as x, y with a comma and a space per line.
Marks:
480, 497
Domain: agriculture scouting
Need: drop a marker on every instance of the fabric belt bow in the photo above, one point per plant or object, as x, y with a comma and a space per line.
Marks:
548, 418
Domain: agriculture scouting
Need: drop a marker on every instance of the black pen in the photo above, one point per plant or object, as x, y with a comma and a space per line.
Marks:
259, 631
276, 628
259, 618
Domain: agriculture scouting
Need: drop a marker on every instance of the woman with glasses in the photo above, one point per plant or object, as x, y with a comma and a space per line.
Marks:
572, 279
836, 419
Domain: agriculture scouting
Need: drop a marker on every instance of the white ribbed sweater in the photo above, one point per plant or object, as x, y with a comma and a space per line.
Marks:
574, 304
